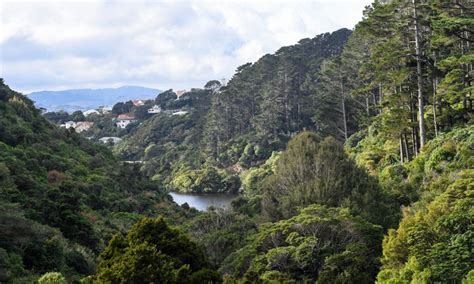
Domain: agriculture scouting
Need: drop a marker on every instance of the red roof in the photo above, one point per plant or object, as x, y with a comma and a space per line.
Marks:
138, 102
125, 117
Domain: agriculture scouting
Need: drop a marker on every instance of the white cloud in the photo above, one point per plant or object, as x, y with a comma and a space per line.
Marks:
167, 44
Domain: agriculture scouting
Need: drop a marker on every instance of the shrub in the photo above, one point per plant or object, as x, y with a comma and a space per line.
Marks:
52, 278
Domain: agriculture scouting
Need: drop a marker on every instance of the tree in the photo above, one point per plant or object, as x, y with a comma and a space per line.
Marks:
77, 116
120, 108
141, 112
308, 172
213, 85
52, 278
318, 245
165, 97
434, 244
153, 252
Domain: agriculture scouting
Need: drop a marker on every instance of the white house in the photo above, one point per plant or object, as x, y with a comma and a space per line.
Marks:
123, 120
91, 111
112, 139
69, 124
154, 109
104, 109
181, 112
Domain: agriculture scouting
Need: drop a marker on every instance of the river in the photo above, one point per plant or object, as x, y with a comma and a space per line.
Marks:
202, 201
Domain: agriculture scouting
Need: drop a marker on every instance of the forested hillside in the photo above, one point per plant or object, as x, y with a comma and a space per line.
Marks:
239, 124
267, 102
397, 92
62, 197
353, 153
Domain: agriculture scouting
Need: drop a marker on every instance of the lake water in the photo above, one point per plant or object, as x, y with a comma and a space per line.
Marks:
202, 201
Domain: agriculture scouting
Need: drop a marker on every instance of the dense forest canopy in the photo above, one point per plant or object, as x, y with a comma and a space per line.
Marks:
353, 153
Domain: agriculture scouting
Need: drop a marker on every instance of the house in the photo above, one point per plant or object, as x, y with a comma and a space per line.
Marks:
180, 93
104, 109
91, 111
154, 109
180, 112
83, 126
123, 120
68, 124
113, 140
138, 102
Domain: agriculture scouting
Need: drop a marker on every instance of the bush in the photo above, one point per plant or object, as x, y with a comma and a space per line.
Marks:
52, 278
11, 266
152, 252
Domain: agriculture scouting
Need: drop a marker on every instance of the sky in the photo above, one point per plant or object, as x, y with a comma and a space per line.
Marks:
54, 45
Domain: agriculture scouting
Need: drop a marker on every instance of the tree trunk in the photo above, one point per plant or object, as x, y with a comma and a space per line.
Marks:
343, 103
367, 109
401, 149
421, 117
380, 98
405, 146
435, 120
414, 135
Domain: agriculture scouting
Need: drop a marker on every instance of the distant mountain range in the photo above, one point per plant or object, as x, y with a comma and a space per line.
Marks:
84, 99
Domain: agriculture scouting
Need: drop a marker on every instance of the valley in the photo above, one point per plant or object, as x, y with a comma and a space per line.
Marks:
347, 157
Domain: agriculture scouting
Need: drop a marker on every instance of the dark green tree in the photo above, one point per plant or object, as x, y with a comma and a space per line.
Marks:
309, 171
153, 252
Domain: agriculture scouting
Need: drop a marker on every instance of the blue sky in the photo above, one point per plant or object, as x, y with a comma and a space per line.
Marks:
165, 44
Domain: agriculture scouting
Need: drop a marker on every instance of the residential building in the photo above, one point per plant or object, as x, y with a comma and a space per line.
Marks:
83, 126
180, 112
123, 120
91, 111
138, 102
104, 109
180, 93
154, 109
112, 139
68, 124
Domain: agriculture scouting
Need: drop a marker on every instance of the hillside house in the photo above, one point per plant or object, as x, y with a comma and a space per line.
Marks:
155, 109
112, 139
123, 120
180, 93
83, 126
68, 124
104, 109
91, 111
138, 102
180, 112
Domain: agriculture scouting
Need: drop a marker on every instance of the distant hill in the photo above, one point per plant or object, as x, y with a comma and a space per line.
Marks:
84, 99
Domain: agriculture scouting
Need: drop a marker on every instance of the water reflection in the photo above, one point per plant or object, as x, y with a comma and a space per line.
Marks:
202, 201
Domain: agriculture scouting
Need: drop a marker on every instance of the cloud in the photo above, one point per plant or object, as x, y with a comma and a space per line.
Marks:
166, 44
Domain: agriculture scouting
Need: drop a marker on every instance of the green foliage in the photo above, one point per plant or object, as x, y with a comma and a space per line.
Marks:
122, 107
319, 244
308, 172
11, 266
265, 103
52, 278
252, 180
62, 197
153, 252
168, 142
435, 242
206, 180
221, 232
59, 193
